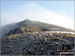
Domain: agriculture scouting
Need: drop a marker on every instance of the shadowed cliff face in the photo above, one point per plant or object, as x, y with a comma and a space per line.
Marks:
35, 38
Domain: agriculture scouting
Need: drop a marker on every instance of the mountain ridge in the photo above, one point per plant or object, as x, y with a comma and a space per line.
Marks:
35, 38
30, 23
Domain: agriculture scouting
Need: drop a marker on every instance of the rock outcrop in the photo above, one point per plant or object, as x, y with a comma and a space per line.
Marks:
36, 44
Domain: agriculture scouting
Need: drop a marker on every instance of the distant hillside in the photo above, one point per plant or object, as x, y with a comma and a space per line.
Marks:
29, 24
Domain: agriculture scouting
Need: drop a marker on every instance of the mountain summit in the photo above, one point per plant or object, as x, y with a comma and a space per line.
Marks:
42, 26
27, 20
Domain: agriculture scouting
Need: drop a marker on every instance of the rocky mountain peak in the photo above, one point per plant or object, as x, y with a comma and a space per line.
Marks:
27, 20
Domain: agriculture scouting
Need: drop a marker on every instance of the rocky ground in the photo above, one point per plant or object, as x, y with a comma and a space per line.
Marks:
37, 43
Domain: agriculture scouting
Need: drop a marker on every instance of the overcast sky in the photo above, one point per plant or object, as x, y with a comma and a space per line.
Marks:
53, 12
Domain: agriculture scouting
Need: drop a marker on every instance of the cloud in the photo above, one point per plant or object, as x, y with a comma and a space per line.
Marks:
37, 13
